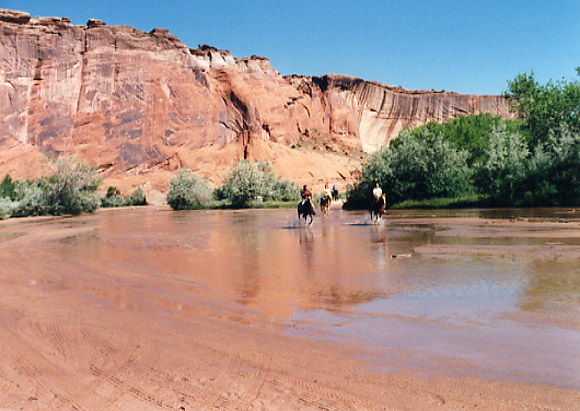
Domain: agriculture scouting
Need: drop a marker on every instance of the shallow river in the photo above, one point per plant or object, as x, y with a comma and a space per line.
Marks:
490, 294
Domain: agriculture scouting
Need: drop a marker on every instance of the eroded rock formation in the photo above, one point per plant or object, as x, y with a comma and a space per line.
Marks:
141, 105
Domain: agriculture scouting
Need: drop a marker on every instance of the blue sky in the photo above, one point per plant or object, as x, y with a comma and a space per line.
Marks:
464, 46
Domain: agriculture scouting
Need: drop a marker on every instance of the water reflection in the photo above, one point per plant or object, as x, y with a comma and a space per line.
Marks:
547, 287
456, 295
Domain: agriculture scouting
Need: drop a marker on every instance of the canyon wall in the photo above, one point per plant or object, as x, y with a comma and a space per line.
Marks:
141, 105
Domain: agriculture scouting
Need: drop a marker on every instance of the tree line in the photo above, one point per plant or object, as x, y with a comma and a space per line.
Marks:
72, 189
532, 160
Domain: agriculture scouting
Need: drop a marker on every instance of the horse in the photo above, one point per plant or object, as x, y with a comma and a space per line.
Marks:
325, 204
378, 208
306, 210
335, 194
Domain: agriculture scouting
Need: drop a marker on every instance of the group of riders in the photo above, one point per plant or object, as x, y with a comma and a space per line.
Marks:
328, 196
306, 206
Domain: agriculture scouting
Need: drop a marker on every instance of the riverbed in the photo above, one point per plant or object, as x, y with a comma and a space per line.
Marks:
251, 309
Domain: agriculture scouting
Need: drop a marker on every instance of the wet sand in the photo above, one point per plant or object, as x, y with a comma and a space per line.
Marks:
148, 309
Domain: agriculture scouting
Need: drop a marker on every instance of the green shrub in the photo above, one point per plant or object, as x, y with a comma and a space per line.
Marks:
188, 191
284, 190
245, 183
113, 198
32, 198
137, 198
72, 189
7, 207
249, 181
114, 201
112, 192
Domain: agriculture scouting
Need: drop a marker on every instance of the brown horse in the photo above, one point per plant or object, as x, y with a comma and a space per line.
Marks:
378, 208
325, 204
306, 210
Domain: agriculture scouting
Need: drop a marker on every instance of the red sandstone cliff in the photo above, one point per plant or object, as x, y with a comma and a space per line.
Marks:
141, 105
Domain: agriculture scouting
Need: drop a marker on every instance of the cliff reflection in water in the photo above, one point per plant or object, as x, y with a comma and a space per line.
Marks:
493, 294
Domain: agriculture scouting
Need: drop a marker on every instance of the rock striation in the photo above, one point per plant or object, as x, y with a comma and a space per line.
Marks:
141, 105
383, 111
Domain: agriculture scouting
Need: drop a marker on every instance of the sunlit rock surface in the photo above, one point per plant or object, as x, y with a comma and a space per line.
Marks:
141, 105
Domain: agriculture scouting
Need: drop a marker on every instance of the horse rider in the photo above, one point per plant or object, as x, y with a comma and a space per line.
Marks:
377, 193
335, 192
306, 195
327, 192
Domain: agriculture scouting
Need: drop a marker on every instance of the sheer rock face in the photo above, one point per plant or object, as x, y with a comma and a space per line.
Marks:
383, 111
141, 105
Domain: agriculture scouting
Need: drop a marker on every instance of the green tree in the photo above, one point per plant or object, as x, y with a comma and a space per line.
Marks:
470, 133
553, 176
503, 175
415, 168
7, 188
545, 107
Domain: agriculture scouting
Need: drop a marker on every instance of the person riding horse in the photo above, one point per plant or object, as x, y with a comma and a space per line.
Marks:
326, 199
327, 193
334, 193
377, 193
379, 202
306, 195
306, 207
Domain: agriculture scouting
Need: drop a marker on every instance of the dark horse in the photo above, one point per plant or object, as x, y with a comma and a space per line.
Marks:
324, 204
335, 194
306, 210
378, 208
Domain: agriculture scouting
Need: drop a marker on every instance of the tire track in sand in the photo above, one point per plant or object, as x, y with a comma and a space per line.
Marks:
37, 368
254, 387
214, 398
122, 360
228, 392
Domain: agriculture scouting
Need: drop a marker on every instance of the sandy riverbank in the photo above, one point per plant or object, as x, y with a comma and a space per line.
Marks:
93, 332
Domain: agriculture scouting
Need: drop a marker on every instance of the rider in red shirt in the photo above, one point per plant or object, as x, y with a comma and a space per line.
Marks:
306, 194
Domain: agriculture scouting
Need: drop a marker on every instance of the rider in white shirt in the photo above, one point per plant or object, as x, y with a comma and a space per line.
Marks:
377, 192
327, 191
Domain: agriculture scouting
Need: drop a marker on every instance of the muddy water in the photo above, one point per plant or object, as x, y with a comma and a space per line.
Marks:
492, 294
